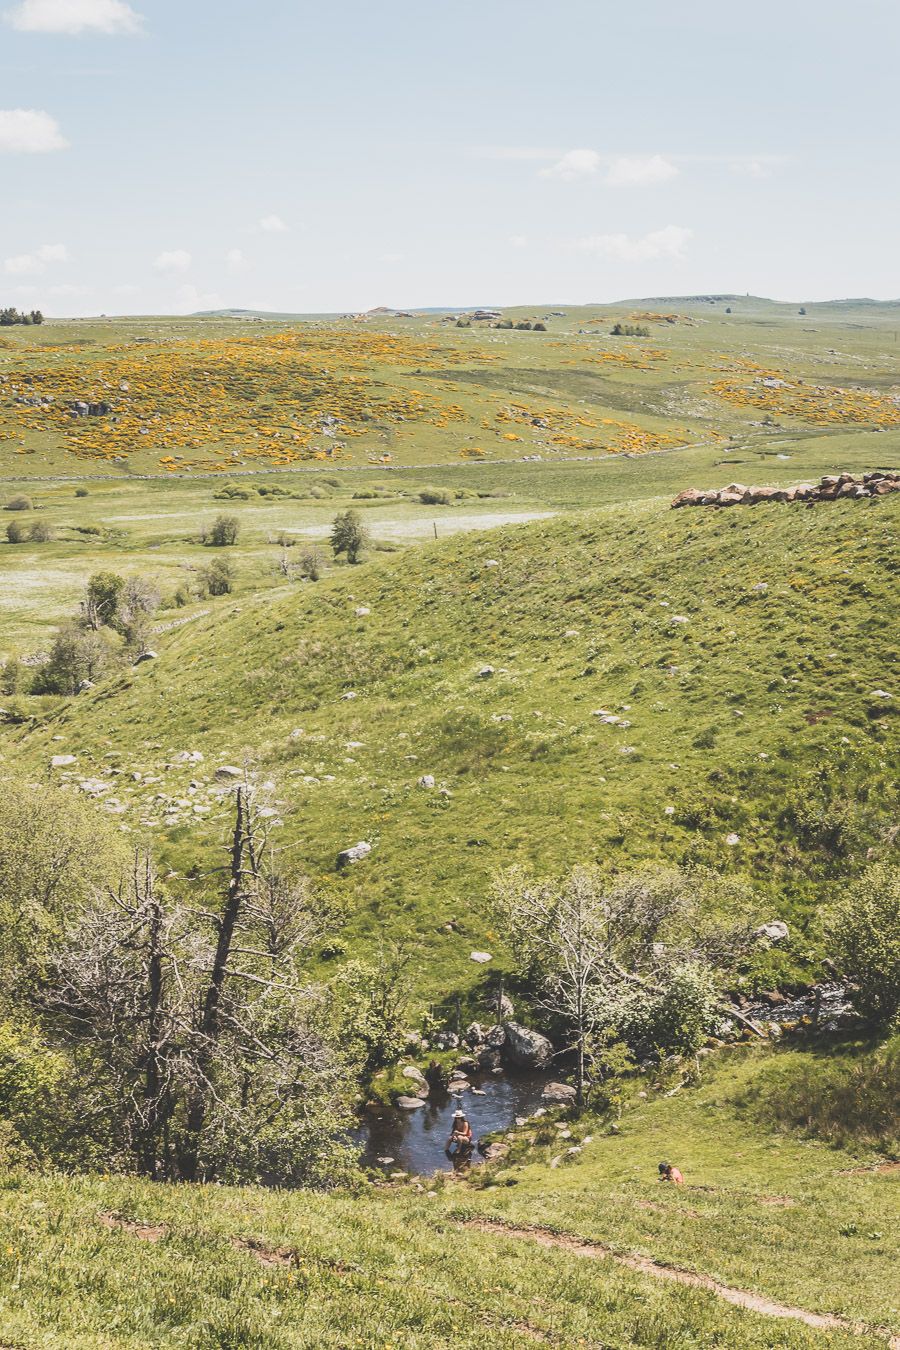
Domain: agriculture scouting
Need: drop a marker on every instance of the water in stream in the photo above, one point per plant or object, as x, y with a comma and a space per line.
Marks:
415, 1140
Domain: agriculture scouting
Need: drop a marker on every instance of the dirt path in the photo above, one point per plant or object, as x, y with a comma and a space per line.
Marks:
741, 1298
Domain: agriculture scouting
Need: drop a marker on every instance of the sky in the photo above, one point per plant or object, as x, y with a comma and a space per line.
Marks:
168, 156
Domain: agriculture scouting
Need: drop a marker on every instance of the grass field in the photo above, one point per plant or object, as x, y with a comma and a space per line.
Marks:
586, 675
105, 1262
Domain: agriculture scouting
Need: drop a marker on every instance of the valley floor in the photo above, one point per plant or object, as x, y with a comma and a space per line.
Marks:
580, 1254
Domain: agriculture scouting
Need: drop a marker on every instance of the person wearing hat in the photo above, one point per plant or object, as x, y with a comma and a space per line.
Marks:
669, 1173
461, 1141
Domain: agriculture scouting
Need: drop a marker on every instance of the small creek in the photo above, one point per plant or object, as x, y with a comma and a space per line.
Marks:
415, 1140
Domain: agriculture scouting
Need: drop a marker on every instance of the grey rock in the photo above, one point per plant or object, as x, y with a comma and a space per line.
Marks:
525, 1048
410, 1103
774, 931
228, 772
354, 854
558, 1092
146, 656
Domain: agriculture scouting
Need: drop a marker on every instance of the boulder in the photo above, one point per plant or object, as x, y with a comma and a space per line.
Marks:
474, 1034
773, 931
488, 1059
480, 958
410, 1103
485, 672
146, 656
226, 773
563, 1093
525, 1048
690, 497
354, 854
495, 1037
426, 781
494, 1152
62, 761
415, 1075
505, 1009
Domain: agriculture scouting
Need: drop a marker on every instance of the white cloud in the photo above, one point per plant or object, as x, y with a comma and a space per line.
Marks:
669, 242
68, 289
515, 152
391, 257
191, 298
640, 170
74, 16
273, 225
574, 164
518, 240
25, 131
175, 260
32, 264
126, 288
235, 259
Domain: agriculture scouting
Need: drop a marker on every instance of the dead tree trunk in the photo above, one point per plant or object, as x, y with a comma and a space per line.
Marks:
209, 1025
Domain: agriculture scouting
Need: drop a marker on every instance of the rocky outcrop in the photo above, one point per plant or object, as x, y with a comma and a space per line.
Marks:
831, 488
354, 854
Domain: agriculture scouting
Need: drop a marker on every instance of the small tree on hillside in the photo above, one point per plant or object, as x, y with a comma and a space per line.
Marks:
218, 578
223, 532
100, 606
633, 958
863, 932
349, 535
78, 655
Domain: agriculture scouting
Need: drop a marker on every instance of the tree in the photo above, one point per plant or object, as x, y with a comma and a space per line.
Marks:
219, 577
223, 532
139, 601
41, 532
349, 535
103, 597
310, 564
207, 1053
632, 957
78, 654
16, 532
863, 933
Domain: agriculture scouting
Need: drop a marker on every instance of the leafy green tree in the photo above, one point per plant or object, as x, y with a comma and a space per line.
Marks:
349, 535
219, 577
102, 599
863, 934
78, 654
223, 532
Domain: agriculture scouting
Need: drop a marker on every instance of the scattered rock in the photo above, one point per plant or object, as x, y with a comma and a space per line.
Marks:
63, 761
774, 931
480, 957
410, 1103
146, 656
354, 854
559, 1092
226, 773
427, 780
493, 1152
525, 1048
362, 611
485, 672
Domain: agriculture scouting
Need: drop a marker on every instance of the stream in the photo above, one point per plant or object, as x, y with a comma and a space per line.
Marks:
414, 1141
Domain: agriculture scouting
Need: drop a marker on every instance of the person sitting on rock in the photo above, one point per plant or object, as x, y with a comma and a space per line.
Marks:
461, 1141
669, 1173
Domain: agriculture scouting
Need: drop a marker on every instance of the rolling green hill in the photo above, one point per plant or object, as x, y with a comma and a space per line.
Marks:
710, 688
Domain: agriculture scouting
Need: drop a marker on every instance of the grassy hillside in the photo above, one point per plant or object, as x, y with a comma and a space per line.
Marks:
741, 651
111, 1263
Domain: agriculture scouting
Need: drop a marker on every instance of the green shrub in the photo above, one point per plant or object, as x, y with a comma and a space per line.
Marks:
219, 577
223, 533
19, 503
863, 935
81, 492
16, 532
41, 532
431, 496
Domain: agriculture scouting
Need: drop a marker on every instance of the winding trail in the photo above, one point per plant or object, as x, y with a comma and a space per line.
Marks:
741, 1298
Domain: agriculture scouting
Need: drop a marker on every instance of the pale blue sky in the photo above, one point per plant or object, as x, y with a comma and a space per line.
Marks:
169, 155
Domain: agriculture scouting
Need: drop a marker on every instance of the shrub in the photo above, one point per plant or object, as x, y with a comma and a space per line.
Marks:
81, 492
349, 535
629, 330
524, 326
77, 654
863, 934
16, 532
431, 496
233, 491
12, 677
310, 564
540, 328
223, 533
219, 577
20, 503
41, 532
